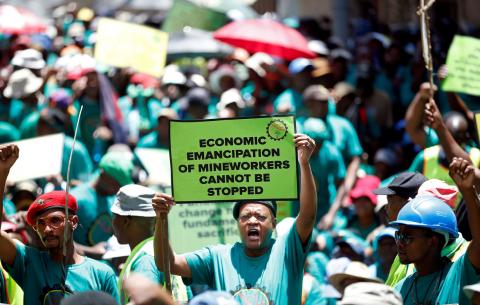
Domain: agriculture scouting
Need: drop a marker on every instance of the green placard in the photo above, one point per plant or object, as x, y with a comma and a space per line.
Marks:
463, 63
185, 13
233, 159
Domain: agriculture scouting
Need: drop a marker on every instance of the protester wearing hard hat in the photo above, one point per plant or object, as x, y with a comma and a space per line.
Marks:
425, 226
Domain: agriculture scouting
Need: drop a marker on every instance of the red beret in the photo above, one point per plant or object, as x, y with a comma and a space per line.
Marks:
55, 199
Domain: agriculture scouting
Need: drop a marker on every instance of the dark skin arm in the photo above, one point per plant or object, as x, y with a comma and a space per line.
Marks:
8, 155
434, 119
414, 116
463, 173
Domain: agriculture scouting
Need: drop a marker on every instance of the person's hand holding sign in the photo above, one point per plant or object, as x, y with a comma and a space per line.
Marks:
162, 203
305, 147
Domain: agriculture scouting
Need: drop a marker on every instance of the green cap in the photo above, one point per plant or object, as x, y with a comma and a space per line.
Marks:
119, 166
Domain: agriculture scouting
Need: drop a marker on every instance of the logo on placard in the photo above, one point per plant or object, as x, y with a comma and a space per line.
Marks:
277, 129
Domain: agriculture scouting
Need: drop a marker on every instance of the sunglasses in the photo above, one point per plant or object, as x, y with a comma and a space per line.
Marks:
53, 222
407, 239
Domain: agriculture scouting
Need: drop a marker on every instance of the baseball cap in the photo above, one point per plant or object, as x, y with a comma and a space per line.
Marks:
441, 190
364, 188
118, 167
405, 185
272, 205
48, 201
299, 65
134, 200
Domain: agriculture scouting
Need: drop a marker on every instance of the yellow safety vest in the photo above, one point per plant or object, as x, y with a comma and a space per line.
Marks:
433, 169
179, 290
13, 290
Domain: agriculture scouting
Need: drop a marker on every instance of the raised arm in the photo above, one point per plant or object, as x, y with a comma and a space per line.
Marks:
308, 194
414, 116
162, 203
450, 146
8, 156
463, 173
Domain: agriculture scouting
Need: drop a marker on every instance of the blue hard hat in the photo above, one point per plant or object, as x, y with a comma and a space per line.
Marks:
428, 212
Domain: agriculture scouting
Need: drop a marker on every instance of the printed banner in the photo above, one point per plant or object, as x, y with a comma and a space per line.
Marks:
463, 63
233, 159
122, 44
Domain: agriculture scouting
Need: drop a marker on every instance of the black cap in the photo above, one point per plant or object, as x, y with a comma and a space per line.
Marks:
272, 205
404, 185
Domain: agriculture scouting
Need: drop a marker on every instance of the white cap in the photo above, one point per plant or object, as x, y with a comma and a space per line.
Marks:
231, 96
134, 200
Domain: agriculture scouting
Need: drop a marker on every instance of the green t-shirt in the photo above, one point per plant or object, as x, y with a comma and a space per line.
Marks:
293, 99
94, 215
28, 127
441, 287
344, 136
275, 276
8, 132
82, 166
150, 141
41, 278
91, 119
328, 168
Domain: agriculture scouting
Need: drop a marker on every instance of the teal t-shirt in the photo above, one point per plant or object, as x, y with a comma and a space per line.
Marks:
28, 127
144, 264
82, 166
94, 216
293, 99
273, 278
8, 132
444, 286
328, 168
344, 136
91, 119
41, 278
150, 141
9, 207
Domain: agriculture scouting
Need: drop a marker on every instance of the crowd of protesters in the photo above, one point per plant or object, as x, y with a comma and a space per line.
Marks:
388, 211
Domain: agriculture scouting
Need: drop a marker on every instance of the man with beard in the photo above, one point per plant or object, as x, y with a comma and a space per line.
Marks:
48, 276
259, 269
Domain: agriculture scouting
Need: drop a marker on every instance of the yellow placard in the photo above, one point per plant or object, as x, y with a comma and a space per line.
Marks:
122, 44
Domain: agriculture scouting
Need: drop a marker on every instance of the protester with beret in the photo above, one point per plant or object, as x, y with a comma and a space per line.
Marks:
48, 276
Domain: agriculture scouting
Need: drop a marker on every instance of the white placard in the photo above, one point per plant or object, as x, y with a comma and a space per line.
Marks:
39, 157
157, 164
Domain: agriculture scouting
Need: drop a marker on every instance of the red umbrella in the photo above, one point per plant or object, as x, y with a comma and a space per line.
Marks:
265, 35
15, 20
